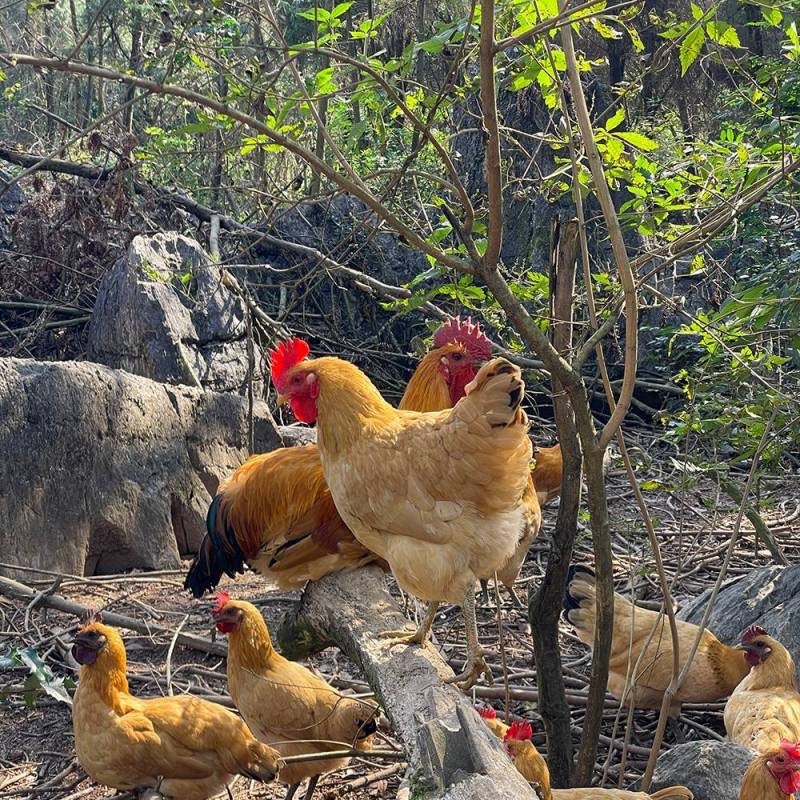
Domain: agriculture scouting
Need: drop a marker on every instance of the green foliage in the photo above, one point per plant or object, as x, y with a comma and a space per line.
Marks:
40, 677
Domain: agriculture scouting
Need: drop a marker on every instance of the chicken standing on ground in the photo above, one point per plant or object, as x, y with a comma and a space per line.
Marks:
642, 640
276, 513
774, 775
185, 747
285, 704
764, 709
438, 495
530, 764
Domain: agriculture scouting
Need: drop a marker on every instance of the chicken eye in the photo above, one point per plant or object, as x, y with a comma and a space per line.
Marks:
759, 644
458, 356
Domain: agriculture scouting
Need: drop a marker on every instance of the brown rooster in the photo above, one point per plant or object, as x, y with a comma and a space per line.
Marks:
275, 512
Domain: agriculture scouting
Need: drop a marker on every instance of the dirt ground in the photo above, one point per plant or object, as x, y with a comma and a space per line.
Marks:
37, 757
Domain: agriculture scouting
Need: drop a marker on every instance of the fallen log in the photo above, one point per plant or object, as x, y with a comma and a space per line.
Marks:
451, 753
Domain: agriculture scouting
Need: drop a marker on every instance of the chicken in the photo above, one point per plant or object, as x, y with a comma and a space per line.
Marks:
489, 716
187, 748
532, 767
437, 495
285, 704
764, 708
716, 668
546, 472
774, 775
275, 512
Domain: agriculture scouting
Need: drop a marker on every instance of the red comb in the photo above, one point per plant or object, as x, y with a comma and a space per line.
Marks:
791, 749
223, 599
752, 632
286, 355
519, 730
468, 333
487, 712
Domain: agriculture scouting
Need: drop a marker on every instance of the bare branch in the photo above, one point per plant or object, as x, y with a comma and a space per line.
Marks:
342, 181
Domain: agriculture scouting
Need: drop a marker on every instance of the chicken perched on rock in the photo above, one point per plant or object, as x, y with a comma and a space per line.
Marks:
285, 704
276, 513
642, 640
764, 709
532, 766
775, 775
439, 495
187, 748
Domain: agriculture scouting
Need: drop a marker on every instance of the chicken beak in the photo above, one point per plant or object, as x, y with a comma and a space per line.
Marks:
282, 399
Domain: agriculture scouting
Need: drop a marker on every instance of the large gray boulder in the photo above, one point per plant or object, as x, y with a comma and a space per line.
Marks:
768, 596
712, 770
163, 312
104, 471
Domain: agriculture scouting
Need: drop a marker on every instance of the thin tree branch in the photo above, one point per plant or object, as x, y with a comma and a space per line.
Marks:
342, 181
624, 269
494, 175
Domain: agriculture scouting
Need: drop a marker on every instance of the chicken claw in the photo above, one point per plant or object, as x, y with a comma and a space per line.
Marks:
476, 656
420, 635
475, 667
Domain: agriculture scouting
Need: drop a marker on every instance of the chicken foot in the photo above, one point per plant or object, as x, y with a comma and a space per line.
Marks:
421, 634
476, 656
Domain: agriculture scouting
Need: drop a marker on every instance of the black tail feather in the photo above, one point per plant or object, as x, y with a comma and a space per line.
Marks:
219, 553
570, 603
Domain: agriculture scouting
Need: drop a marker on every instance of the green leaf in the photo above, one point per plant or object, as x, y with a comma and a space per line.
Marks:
772, 16
637, 140
340, 9
723, 33
323, 81
691, 47
697, 12
616, 120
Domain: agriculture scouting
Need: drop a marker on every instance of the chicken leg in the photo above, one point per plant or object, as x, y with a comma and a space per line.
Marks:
476, 662
421, 634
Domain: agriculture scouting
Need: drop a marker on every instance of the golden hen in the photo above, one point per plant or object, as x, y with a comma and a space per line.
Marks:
285, 704
531, 765
185, 747
438, 495
275, 512
775, 775
764, 708
642, 643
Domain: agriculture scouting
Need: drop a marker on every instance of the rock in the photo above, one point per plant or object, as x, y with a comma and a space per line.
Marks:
768, 596
712, 770
164, 313
105, 471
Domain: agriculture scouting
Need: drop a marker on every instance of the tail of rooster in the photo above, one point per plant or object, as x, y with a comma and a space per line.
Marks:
579, 601
219, 552
673, 793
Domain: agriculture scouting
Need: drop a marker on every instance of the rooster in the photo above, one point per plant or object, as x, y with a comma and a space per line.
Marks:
437, 496
774, 775
285, 704
530, 764
764, 708
187, 748
275, 512
642, 643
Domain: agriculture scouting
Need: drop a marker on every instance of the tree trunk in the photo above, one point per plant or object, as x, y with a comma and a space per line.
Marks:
544, 608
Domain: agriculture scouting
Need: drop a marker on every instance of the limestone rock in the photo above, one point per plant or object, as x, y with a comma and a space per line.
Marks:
104, 471
768, 596
712, 770
164, 313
